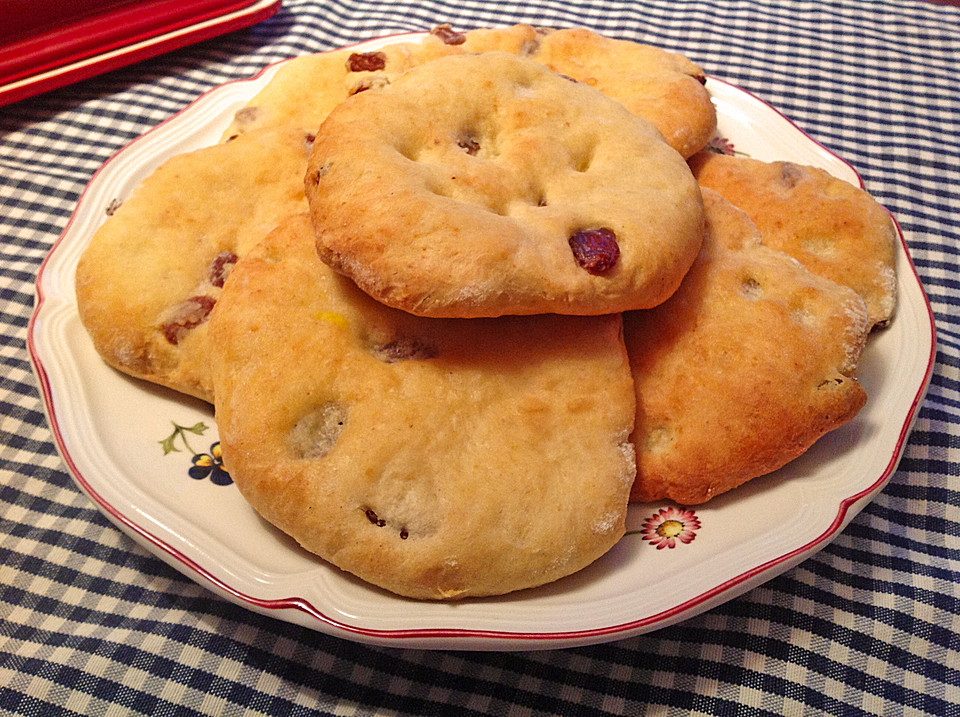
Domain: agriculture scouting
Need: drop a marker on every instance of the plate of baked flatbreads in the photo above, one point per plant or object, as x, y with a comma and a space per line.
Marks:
502, 339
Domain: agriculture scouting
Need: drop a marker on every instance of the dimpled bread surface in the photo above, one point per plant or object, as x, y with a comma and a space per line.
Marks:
466, 187
743, 369
834, 229
435, 458
661, 86
155, 268
306, 88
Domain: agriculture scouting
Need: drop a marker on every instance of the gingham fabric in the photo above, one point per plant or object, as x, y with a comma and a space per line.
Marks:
92, 624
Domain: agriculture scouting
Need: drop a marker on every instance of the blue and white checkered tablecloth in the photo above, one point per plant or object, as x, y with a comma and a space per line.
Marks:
92, 624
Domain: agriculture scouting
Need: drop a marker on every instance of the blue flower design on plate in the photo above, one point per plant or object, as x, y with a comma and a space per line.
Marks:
210, 465
204, 465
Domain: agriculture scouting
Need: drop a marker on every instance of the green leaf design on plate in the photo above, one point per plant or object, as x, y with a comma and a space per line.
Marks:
168, 444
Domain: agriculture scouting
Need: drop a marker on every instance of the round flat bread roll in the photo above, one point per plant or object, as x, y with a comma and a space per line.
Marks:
151, 274
661, 86
743, 369
435, 458
834, 229
484, 185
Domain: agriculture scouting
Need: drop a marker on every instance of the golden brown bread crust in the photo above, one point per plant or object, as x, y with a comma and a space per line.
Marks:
458, 189
750, 362
435, 458
663, 87
151, 273
834, 229
308, 87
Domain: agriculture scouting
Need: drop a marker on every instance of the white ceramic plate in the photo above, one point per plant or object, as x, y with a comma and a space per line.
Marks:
111, 430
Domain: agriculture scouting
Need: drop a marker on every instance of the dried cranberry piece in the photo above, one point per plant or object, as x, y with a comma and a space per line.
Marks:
448, 35
190, 314
469, 145
366, 61
220, 267
596, 250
